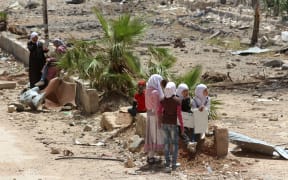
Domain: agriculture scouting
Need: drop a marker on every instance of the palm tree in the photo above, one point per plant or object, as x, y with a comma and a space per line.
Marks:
109, 64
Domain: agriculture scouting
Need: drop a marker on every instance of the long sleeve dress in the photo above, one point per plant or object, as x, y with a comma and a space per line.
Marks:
36, 61
154, 135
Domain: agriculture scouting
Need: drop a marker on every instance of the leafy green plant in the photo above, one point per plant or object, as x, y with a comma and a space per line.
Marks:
108, 64
3, 16
160, 61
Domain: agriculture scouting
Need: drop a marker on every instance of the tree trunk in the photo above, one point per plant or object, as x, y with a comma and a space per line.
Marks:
45, 22
254, 38
276, 9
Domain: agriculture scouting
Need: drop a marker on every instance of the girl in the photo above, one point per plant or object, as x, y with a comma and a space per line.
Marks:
183, 93
201, 101
170, 109
154, 134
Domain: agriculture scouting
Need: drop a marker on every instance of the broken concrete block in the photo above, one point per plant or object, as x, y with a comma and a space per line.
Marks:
87, 99
88, 128
222, 142
135, 145
11, 108
7, 85
113, 120
141, 119
55, 151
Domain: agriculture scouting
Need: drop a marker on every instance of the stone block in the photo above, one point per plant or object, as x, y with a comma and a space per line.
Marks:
88, 128
222, 142
140, 120
87, 99
114, 120
9, 43
7, 85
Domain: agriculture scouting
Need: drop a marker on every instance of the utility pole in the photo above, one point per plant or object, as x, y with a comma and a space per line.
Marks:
254, 38
45, 23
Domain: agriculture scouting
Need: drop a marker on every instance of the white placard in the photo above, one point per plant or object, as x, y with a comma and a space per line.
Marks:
197, 120
200, 121
188, 120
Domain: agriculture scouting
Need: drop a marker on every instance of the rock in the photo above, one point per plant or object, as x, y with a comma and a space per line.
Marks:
245, 41
206, 50
32, 5
113, 120
7, 85
72, 123
273, 119
274, 63
11, 108
141, 119
135, 145
55, 151
67, 152
213, 77
230, 65
88, 128
284, 66
129, 163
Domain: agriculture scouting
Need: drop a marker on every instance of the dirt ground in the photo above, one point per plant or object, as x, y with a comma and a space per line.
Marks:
256, 106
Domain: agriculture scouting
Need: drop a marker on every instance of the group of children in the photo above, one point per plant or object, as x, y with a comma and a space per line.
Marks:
164, 105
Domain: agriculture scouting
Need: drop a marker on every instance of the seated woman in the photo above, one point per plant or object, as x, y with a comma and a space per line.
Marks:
50, 70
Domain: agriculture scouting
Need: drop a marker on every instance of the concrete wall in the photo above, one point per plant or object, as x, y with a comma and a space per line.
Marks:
18, 49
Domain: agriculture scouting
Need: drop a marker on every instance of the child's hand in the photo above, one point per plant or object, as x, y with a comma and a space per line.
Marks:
182, 132
201, 108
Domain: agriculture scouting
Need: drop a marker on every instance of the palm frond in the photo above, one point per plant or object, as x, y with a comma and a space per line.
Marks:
191, 78
127, 30
132, 63
105, 24
213, 109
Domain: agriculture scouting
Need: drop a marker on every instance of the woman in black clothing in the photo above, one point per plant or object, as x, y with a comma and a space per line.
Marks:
36, 59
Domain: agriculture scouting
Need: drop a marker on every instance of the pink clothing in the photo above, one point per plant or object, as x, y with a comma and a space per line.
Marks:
152, 99
154, 135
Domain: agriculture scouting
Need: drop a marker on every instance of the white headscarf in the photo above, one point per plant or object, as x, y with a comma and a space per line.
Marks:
199, 93
180, 89
170, 89
58, 42
154, 82
33, 34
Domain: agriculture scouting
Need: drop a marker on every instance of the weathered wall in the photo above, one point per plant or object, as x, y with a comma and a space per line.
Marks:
9, 43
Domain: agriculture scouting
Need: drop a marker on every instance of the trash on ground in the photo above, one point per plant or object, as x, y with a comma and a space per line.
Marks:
253, 50
254, 145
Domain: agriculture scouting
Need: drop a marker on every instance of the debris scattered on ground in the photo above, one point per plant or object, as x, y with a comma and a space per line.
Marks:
179, 43
253, 50
254, 145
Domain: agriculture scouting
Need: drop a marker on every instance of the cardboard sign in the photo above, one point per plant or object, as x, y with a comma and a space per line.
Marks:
200, 121
197, 120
